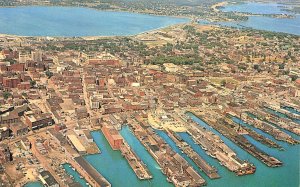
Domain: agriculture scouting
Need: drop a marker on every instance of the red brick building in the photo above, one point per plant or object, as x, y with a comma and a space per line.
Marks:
24, 86
35, 121
11, 82
113, 137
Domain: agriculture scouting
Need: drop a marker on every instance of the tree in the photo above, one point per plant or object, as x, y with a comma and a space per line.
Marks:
6, 95
223, 83
49, 74
256, 66
294, 77
281, 66
32, 83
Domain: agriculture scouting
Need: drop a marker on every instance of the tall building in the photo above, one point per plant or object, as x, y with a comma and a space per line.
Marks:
23, 57
36, 56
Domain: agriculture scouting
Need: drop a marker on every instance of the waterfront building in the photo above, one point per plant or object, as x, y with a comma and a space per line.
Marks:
113, 137
76, 143
47, 179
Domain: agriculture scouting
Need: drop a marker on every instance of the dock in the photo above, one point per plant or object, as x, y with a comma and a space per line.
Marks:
262, 124
137, 165
290, 105
174, 166
252, 133
209, 170
90, 174
241, 141
278, 109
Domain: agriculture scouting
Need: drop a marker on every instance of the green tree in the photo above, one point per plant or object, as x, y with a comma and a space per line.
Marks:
49, 74
281, 66
294, 77
256, 66
223, 82
6, 95
32, 83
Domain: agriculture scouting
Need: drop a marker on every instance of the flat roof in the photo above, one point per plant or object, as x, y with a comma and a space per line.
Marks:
49, 179
92, 171
77, 144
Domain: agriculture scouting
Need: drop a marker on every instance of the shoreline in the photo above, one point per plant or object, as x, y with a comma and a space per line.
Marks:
106, 10
189, 19
96, 37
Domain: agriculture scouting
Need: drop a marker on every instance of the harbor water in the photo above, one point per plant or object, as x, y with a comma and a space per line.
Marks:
34, 184
262, 19
75, 175
74, 21
287, 175
115, 168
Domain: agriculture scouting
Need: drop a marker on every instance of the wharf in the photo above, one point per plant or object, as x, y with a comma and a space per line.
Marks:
209, 170
255, 135
216, 148
290, 105
171, 163
139, 168
270, 129
286, 124
241, 141
245, 144
283, 123
89, 172
287, 113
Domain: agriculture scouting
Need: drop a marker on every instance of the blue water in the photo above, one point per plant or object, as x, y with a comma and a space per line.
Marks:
116, 169
176, 149
287, 175
291, 110
281, 115
159, 179
255, 8
75, 174
34, 184
73, 21
285, 25
238, 121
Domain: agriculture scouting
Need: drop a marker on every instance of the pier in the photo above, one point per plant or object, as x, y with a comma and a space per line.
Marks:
220, 125
252, 133
286, 124
216, 148
263, 125
290, 105
174, 166
139, 168
210, 171
89, 172
117, 142
278, 109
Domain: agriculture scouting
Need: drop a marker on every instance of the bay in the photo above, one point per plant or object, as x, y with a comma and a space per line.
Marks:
75, 21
